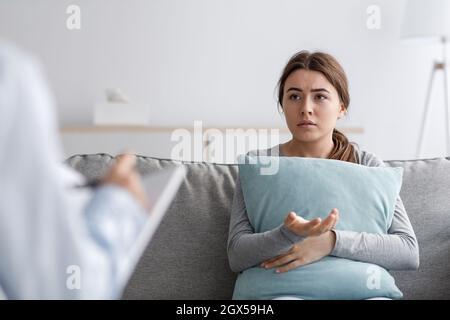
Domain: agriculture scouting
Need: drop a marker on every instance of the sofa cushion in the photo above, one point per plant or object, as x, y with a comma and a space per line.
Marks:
187, 258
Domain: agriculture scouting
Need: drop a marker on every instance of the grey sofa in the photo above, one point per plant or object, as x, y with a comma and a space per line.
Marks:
187, 258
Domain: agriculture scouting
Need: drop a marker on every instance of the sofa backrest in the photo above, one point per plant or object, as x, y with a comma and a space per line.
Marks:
426, 195
187, 258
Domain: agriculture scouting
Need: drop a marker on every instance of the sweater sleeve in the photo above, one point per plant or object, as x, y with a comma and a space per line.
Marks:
247, 248
397, 250
115, 220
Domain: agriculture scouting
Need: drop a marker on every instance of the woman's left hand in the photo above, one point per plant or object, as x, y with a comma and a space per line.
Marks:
304, 252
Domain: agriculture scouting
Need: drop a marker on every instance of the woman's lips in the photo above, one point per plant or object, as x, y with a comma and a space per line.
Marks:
308, 125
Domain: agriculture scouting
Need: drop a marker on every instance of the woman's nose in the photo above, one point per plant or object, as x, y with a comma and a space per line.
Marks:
306, 107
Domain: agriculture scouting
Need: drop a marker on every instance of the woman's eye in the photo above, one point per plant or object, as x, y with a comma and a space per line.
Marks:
321, 97
294, 97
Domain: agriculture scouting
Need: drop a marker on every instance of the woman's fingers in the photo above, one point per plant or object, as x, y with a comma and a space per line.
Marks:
314, 227
271, 260
307, 226
327, 224
290, 218
336, 220
314, 222
280, 261
331, 220
299, 225
292, 265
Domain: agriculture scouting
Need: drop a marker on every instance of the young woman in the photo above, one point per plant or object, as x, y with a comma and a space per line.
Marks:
313, 95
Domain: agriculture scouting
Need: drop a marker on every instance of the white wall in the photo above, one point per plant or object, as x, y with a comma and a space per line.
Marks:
219, 61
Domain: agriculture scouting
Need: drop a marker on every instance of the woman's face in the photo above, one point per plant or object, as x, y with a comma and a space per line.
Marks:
309, 96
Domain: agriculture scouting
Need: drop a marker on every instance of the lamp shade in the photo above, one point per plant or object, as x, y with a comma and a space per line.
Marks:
427, 18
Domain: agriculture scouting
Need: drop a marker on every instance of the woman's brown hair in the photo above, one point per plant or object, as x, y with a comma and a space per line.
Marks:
332, 70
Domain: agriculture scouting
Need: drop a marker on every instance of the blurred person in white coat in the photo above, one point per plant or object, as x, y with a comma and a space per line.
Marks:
57, 240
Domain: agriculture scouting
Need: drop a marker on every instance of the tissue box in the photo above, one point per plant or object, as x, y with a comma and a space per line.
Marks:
121, 114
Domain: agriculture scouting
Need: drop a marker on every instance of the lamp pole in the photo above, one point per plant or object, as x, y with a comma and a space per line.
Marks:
438, 65
445, 70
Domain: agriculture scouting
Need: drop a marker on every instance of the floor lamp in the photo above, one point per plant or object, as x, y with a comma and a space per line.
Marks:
430, 19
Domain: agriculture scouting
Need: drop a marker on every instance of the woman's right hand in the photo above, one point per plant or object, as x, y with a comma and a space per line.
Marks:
308, 228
